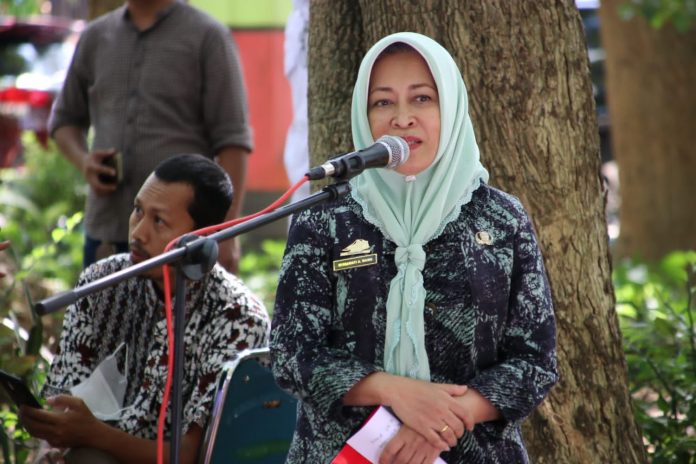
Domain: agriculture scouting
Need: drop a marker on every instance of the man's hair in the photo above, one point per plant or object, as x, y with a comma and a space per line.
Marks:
212, 190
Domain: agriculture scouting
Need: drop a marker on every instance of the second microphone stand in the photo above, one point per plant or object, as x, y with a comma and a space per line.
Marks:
194, 257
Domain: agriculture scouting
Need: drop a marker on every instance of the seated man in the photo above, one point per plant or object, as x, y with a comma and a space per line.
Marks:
125, 326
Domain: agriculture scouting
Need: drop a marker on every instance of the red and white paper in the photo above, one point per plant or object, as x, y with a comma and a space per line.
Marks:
367, 444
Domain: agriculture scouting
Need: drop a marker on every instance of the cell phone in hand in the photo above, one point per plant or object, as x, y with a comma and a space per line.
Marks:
114, 161
18, 391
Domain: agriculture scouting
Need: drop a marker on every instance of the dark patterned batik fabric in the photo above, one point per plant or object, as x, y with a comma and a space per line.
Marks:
489, 321
223, 317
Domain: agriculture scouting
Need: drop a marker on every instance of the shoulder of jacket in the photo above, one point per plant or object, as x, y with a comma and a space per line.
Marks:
495, 200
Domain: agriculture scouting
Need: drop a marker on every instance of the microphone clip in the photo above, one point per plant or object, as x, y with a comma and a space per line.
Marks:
342, 167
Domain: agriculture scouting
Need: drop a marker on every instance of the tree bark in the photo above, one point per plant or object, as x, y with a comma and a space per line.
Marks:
650, 77
526, 68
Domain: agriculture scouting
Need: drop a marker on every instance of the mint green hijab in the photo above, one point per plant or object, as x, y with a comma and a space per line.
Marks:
412, 213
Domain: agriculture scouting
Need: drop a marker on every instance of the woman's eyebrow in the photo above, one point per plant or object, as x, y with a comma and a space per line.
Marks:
411, 87
383, 89
423, 84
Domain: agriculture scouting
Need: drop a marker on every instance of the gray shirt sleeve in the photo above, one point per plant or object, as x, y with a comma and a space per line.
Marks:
71, 106
224, 94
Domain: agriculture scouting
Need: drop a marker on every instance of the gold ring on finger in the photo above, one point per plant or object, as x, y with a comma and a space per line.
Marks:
444, 429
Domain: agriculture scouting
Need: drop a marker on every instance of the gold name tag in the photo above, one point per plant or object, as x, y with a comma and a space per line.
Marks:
358, 261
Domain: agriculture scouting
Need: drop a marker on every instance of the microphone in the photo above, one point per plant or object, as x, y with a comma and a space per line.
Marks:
387, 152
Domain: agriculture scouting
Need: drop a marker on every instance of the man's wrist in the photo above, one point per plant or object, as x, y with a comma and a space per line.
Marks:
80, 159
99, 435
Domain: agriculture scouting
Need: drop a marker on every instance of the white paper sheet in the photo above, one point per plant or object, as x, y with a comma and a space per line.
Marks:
371, 439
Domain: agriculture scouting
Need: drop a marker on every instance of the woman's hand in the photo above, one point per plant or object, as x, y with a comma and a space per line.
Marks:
431, 409
408, 446
478, 408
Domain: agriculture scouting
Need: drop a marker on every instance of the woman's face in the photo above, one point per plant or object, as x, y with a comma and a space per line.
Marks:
403, 101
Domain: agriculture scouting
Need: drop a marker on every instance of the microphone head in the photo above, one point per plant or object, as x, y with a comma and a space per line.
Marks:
398, 150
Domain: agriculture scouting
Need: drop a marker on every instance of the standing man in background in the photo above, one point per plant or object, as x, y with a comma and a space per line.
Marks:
153, 78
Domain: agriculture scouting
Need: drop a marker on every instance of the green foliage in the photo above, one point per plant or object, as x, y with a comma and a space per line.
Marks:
12, 438
259, 270
681, 13
657, 312
41, 215
20, 8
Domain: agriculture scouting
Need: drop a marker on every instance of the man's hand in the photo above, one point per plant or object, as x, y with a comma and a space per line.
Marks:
49, 455
68, 424
408, 446
229, 254
93, 166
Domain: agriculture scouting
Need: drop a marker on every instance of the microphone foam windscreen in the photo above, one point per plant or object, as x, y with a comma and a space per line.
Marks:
398, 150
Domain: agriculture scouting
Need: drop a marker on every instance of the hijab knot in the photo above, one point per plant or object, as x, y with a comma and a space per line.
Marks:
412, 254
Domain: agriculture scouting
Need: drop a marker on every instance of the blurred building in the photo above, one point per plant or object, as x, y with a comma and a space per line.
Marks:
258, 29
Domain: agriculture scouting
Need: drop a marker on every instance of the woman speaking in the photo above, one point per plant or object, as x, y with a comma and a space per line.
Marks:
448, 319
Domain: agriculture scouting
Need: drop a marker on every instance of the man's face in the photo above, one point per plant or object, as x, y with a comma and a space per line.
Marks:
160, 214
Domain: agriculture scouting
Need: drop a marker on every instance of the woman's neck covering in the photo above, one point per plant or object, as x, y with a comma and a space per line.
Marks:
412, 213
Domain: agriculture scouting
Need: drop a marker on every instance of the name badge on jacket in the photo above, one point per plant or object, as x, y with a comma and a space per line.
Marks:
357, 254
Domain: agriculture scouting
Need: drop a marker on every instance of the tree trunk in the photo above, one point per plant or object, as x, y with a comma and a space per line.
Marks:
650, 77
526, 69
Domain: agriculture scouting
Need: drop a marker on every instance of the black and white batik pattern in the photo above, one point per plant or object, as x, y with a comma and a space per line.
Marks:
223, 318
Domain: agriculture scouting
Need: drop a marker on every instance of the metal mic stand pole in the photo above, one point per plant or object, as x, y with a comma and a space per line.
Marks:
195, 257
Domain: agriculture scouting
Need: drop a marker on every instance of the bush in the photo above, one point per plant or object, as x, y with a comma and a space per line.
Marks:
655, 304
41, 214
259, 270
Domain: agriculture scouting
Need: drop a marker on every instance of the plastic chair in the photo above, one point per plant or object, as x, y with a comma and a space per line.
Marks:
253, 420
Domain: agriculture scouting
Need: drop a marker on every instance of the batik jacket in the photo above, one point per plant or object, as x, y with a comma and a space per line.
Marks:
489, 321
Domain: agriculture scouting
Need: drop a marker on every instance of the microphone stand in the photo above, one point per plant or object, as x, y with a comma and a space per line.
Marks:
194, 257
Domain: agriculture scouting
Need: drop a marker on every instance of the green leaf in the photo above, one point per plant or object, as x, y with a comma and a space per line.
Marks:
20, 366
4, 443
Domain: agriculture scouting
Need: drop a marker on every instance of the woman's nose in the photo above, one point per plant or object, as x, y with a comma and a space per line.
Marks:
403, 118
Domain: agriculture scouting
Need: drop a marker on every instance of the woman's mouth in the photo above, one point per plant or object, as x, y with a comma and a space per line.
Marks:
413, 142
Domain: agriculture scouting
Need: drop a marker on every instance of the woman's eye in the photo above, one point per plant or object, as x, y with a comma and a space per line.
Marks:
423, 98
382, 102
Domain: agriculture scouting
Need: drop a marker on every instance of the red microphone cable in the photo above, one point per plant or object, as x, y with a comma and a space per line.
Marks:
168, 307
